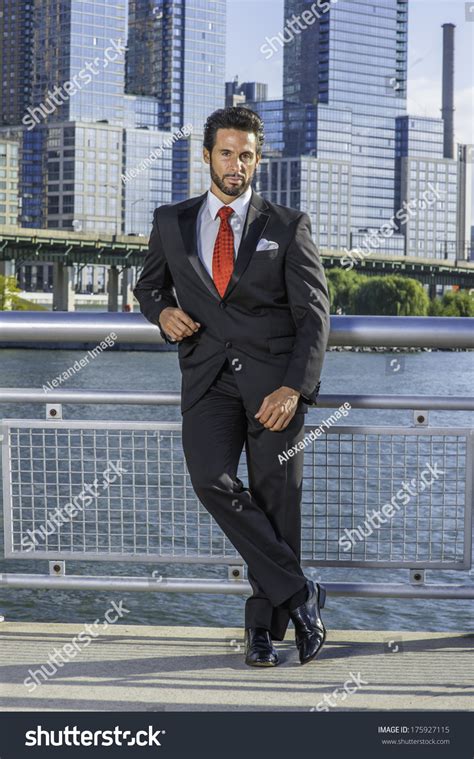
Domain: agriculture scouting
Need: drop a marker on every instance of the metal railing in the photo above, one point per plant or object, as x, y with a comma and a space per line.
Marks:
149, 512
133, 328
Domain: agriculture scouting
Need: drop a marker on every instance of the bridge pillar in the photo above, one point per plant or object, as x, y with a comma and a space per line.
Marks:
95, 278
112, 288
432, 290
7, 268
127, 289
63, 288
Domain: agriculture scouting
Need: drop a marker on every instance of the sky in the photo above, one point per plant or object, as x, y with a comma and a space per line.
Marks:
249, 22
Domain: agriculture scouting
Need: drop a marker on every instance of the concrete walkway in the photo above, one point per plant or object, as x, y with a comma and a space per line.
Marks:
145, 668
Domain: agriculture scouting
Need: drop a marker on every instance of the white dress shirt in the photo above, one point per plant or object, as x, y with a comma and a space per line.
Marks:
208, 224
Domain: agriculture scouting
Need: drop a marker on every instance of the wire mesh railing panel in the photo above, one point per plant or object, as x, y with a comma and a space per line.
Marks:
372, 496
389, 497
96, 491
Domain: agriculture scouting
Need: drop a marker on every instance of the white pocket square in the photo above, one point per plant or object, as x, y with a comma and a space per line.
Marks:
267, 244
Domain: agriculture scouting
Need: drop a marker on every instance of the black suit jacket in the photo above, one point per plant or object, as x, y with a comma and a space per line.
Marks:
273, 321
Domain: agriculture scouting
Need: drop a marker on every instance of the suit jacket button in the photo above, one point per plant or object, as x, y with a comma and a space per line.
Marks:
223, 304
228, 344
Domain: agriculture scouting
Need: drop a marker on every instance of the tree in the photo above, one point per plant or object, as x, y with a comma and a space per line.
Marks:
343, 285
459, 303
8, 289
391, 295
436, 307
10, 299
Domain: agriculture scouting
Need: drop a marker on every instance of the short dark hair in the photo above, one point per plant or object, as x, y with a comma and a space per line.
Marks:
233, 117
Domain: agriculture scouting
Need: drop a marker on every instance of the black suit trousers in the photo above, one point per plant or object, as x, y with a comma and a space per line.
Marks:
263, 520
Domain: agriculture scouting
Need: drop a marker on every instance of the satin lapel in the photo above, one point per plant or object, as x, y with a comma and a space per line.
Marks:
254, 227
187, 219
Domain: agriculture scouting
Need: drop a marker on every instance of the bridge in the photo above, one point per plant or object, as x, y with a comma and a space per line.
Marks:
64, 249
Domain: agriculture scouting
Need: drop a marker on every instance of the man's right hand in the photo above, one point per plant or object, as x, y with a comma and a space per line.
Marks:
177, 324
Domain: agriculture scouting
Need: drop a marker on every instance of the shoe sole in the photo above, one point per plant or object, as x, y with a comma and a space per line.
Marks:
262, 664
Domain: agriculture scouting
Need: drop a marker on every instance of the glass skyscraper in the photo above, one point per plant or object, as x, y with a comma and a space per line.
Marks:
128, 65
79, 60
152, 185
16, 59
176, 52
290, 128
272, 113
353, 58
318, 186
79, 131
424, 174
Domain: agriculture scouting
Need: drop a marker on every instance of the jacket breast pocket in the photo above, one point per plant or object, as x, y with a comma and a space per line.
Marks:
265, 256
282, 344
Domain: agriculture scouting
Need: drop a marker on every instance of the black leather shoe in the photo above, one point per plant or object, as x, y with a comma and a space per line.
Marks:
310, 632
259, 650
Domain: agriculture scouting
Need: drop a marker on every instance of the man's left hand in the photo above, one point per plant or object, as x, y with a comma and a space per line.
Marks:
278, 408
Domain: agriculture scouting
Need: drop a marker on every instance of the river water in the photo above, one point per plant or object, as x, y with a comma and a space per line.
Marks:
423, 373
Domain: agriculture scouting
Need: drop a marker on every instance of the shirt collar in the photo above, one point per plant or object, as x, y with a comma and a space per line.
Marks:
239, 205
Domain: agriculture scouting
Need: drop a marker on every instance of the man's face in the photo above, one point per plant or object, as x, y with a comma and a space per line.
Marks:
232, 162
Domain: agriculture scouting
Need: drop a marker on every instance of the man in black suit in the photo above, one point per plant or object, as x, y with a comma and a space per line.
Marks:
238, 283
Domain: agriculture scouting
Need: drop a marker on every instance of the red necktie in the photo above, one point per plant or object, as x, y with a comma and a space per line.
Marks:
223, 256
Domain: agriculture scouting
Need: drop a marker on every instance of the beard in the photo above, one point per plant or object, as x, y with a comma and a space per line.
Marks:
232, 191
